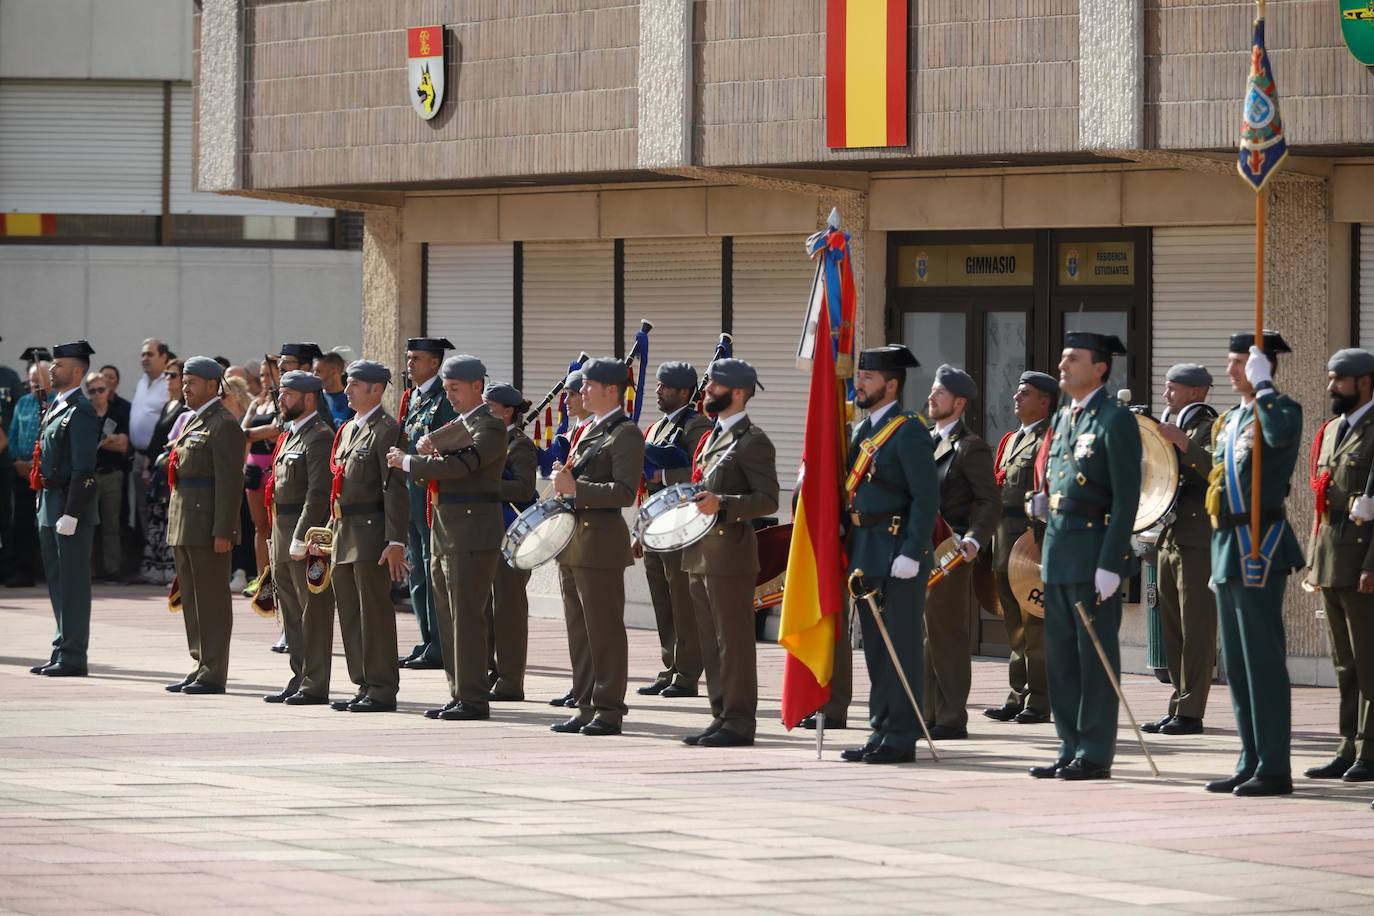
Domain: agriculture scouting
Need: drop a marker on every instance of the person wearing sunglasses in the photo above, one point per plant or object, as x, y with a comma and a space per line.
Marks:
111, 464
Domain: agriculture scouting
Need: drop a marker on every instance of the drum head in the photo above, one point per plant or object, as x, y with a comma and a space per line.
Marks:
1023, 569
1158, 475
675, 528
543, 541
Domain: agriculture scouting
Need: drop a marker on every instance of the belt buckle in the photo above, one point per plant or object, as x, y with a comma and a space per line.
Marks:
855, 519
1054, 501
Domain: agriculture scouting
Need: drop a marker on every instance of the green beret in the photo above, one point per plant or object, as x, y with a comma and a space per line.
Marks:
463, 368
733, 373
297, 380
573, 383
677, 375
605, 370
1042, 381
956, 381
503, 394
203, 367
366, 370
1352, 362
1192, 374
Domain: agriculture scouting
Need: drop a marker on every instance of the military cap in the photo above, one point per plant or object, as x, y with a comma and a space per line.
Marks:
366, 370
956, 381
429, 344
203, 367
36, 354
297, 380
605, 370
1352, 361
76, 348
573, 383
1273, 343
733, 373
463, 368
1189, 374
1109, 344
1041, 381
503, 394
892, 356
677, 375
302, 350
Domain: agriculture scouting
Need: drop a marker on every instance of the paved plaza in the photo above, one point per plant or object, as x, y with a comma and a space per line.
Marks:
117, 797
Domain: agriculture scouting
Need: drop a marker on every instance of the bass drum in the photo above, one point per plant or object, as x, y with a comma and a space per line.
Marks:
669, 520
539, 534
1159, 480
775, 542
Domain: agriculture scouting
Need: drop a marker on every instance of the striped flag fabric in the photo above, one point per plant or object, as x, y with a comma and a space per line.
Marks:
865, 73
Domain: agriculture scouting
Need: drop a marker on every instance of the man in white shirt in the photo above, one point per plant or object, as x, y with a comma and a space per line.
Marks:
149, 397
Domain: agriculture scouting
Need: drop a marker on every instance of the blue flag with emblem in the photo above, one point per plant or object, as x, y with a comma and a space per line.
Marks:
1262, 142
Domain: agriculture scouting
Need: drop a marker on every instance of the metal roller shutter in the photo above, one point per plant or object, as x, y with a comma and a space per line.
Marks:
569, 305
1367, 286
674, 283
80, 147
771, 286
1204, 290
470, 300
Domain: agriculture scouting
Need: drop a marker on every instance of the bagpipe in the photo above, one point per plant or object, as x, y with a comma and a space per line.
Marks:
550, 443
673, 457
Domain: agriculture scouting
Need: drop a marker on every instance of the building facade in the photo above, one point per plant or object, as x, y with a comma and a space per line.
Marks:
1064, 164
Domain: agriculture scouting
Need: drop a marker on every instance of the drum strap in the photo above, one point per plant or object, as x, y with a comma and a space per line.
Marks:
586, 459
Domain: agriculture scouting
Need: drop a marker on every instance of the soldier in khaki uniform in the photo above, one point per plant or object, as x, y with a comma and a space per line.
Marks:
371, 509
1028, 703
465, 535
508, 610
1341, 555
579, 419
969, 503
669, 446
1187, 607
601, 478
297, 499
737, 466
205, 471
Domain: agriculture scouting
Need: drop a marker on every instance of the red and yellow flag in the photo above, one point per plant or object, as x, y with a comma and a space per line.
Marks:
865, 73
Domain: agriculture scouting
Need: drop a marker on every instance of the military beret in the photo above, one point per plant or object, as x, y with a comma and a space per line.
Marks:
1352, 361
366, 370
1273, 343
1109, 344
302, 350
573, 383
463, 368
605, 370
892, 356
297, 380
203, 367
677, 375
956, 381
503, 394
1189, 374
1042, 381
429, 344
733, 373
76, 348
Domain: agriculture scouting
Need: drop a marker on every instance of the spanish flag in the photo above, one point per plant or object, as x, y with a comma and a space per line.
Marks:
814, 595
865, 73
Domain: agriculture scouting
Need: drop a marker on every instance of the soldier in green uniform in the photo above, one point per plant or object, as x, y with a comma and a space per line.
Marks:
63, 473
423, 410
1028, 703
669, 446
205, 472
1341, 555
298, 500
1250, 591
1187, 608
893, 497
1092, 475
579, 419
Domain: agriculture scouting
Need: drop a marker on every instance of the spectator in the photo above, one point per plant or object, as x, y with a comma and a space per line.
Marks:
12, 388
261, 430
158, 568
254, 369
150, 396
23, 563
330, 370
128, 533
111, 465
236, 396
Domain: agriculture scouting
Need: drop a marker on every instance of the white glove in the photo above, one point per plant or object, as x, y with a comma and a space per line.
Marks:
1106, 583
405, 464
1040, 506
66, 525
1212, 584
1257, 368
969, 547
1363, 510
297, 549
905, 568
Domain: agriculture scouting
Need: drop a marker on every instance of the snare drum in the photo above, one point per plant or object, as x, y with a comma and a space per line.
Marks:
539, 534
669, 520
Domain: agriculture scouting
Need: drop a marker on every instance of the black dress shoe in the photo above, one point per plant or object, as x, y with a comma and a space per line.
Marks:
179, 686
1154, 727
1181, 725
569, 726
724, 737
856, 754
652, 690
673, 692
1227, 786
436, 713
830, 722
424, 664
1004, 713
61, 670
947, 733
564, 700
342, 705
505, 697
886, 754
38, 669
1333, 770
1051, 770
1257, 786
368, 704
305, 699
401, 662
278, 648
1032, 716
462, 712
278, 697
1360, 771
599, 727
1081, 769
200, 688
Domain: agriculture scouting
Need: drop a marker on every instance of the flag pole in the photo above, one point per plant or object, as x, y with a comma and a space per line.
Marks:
1257, 449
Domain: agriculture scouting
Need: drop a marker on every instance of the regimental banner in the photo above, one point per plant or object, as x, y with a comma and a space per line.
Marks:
425, 53
1263, 144
1357, 28
865, 73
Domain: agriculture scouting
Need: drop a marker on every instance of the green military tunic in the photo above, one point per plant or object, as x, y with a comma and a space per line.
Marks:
509, 608
427, 409
1093, 475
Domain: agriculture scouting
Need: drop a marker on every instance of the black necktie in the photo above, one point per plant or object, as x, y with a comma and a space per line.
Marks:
864, 429
1341, 429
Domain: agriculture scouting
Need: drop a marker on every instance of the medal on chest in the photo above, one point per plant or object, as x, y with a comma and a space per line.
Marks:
1083, 446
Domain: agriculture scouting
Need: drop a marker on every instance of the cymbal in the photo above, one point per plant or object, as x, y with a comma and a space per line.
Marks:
1023, 569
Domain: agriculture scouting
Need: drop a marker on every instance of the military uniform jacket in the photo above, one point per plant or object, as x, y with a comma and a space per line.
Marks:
373, 507
685, 433
466, 510
1191, 527
901, 483
300, 492
1340, 549
1018, 463
70, 435
208, 486
1093, 462
427, 411
968, 490
739, 466
518, 479
607, 464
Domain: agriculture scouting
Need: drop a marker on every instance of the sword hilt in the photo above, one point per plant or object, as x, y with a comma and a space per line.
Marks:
859, 587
